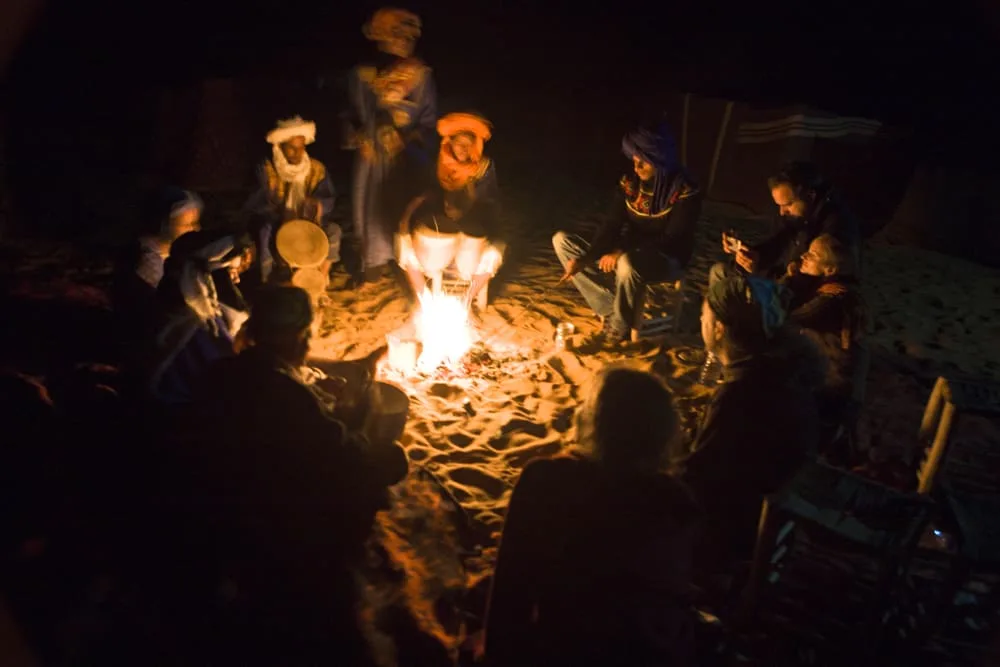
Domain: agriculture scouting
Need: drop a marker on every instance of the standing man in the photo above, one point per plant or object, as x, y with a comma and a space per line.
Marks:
808, 206
292, 186
648, 236
391, 124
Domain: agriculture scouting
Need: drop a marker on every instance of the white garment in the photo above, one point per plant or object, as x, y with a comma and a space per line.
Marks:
196, 284
293, 174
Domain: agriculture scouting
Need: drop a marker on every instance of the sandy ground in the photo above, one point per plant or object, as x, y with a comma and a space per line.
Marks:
470, 434
933, 314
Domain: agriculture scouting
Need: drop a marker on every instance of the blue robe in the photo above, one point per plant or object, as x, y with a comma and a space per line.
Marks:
383, 187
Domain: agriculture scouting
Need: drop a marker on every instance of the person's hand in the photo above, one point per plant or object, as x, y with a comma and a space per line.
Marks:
730, 244
747, 259
393, 143
367, 149
573, 267
792, 269
832, 289
608, 262
312, 209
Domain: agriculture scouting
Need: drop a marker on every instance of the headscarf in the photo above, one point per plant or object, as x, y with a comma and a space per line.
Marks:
293, 174
390, 22
751, 308
193, 258
452, 174
279, 310
657, 147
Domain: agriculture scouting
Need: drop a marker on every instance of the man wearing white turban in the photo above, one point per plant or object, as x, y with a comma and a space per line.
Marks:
292, 186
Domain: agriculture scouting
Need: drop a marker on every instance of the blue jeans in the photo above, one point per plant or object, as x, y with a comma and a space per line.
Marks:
614, 299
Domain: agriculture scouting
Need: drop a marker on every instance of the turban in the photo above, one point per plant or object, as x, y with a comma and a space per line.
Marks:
750, 307
655, 146
390, 22
452, 174
278, 311
292, 127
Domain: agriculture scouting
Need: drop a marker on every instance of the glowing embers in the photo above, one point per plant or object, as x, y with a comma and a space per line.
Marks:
440, 335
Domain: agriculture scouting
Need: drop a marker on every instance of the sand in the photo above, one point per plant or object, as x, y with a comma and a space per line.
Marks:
470, 434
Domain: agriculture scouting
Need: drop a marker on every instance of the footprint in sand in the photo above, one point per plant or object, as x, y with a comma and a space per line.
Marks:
518, 458
478, 479
526, 426
461, 440
563, 420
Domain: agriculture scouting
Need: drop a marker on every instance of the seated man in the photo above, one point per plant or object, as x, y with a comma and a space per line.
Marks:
827, 304
807, 206
648, 236
138, 271
595, 560
762, 424
285, 495
190, 328
456, 222
292, 186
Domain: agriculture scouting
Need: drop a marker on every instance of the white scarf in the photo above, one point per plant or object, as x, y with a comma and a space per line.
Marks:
197, 286
293, 174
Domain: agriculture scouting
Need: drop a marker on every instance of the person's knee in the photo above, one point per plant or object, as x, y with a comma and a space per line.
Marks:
717, 272
624, 270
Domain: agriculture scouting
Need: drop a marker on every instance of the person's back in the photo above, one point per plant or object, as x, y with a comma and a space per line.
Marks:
595, 563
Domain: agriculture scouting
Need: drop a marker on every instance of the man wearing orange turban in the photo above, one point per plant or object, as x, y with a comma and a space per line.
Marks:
455, 223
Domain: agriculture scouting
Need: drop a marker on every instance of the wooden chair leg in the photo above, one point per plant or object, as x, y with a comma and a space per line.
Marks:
482, 299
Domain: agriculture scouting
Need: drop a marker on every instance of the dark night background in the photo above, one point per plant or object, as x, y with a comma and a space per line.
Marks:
560, 80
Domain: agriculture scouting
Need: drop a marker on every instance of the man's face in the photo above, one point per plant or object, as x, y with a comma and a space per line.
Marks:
644, 170
399, 46
461, 146
302, 350
813, 261
182, 223
294, 149
790, 205
711, 329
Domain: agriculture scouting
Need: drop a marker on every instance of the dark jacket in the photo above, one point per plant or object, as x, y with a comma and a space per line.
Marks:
837, 323
593, 568
791, 236
760, 427
481, 220
671, 234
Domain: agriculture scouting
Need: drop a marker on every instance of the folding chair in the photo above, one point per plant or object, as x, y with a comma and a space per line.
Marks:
830, 548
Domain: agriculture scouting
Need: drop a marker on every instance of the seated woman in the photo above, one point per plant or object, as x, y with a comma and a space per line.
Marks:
596, 555
827, 305
190, 328
456, 222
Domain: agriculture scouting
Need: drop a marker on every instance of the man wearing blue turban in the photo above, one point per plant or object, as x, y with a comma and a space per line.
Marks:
648, 236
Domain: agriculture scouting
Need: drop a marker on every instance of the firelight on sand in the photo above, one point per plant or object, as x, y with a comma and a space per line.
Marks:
441, 330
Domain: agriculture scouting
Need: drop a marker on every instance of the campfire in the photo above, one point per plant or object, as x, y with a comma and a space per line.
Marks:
440, 335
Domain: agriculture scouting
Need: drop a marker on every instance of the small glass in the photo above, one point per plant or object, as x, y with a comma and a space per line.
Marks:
563, 340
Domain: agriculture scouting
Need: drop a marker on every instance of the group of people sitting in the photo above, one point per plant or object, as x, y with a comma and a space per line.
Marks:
271, 466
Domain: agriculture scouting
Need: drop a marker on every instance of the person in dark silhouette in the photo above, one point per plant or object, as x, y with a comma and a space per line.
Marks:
190, 327
808, 205
647, 237
139, 268
281, 495
595, 559
762, 424
827, 306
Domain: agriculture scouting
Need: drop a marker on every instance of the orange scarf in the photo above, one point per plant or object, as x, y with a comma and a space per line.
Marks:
453, 174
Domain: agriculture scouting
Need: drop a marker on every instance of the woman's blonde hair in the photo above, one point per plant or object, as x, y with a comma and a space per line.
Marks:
628, 419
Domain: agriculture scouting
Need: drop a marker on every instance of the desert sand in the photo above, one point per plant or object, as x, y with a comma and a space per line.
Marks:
469, 434
475, 430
